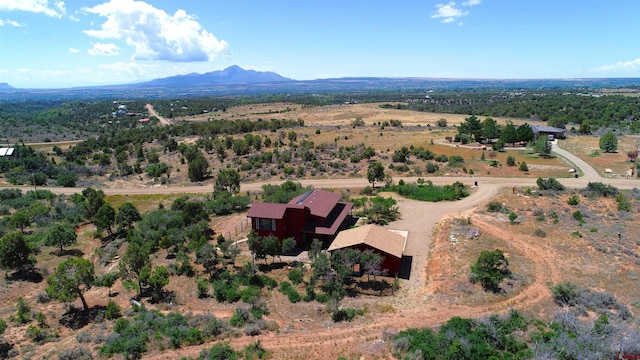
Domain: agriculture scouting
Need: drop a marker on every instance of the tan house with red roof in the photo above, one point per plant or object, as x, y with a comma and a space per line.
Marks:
389, 244
315, 214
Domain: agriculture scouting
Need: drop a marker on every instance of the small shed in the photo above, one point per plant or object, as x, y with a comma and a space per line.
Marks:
389, 244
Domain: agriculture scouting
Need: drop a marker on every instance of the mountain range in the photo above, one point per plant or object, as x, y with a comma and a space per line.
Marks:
235, 80
231, 75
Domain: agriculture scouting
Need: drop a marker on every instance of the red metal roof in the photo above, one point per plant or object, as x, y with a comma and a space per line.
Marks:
333, 222
320, 202
267, 210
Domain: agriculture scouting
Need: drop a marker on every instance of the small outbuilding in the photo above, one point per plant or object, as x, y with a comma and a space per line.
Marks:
389, 244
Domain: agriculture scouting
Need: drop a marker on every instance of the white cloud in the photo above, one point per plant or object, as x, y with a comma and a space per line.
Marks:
472, 2
154, 34
54, 9
448, 12
104, 49
627, 67
74, 50
10, 23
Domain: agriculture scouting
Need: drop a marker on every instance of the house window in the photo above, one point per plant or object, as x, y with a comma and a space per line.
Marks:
266, 224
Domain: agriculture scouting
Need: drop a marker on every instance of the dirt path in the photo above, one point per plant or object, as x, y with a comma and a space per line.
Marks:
351, 183
153, 112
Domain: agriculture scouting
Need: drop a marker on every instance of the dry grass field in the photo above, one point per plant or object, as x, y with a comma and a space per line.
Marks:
330, 127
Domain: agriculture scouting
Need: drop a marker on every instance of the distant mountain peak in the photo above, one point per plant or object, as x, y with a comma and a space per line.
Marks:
231, 75
5, 86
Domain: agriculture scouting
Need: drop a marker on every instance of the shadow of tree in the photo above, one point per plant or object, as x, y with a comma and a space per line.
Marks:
27, 274
380, 287
76, 318
68, 252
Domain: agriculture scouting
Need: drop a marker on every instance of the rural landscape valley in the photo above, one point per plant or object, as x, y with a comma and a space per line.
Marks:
132, 228
301, 180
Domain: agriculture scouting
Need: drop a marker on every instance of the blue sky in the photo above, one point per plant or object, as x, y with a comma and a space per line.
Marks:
54, 43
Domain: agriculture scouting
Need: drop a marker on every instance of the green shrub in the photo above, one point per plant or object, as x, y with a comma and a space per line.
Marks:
225, 290
623, 203
594, 189
455, 160
240, 317
540, 233
578, 215
157, 170
511, 161
35, 333
250, 295
221, 351
573, 200
23, 315
310, 293
202, 287
430, 192
293, 295
3, 326
549, 184
257, 310
255, 351
441, 158
113, 310
295, 275
494, 206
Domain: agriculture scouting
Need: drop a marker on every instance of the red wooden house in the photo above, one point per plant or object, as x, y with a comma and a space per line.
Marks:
315, 214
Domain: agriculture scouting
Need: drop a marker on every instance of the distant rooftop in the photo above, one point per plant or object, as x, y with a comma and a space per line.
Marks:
6, 151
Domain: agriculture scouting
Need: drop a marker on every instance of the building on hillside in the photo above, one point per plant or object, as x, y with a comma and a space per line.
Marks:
389, 244
557, 133
315, 214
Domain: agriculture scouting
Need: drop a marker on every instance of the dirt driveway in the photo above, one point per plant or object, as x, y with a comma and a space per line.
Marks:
420, 218
153, 112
